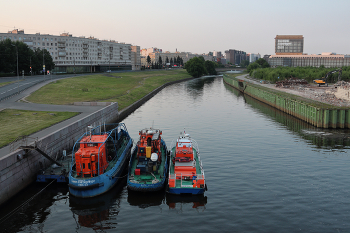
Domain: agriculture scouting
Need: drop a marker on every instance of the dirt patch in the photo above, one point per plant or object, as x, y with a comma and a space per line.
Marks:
336, 95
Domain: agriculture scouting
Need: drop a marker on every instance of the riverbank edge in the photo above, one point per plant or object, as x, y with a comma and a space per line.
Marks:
19, 168
301, 108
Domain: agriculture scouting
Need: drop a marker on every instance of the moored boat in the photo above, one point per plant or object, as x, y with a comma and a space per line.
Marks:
148, 166
186, 174
98, 160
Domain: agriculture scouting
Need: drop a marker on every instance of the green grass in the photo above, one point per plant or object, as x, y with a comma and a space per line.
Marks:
16, 123
124, 88
6, 83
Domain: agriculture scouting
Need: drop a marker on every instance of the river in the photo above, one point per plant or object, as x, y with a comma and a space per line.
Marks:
265, 170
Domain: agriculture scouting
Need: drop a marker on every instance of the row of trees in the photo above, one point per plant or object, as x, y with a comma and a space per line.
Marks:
176, 61
197, 67
261, 70
28, 60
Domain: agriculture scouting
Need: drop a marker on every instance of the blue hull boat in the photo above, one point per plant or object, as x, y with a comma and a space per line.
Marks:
98, 160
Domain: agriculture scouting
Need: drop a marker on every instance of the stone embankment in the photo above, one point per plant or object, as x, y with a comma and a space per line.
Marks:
323, 107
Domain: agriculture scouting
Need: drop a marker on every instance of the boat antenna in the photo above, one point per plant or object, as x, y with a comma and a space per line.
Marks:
90, 127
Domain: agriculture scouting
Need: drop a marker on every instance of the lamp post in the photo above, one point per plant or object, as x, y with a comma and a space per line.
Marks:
43, 64
17, 66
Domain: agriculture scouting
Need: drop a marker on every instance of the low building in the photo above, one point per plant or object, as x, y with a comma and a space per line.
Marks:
327, 60
289, 52
79, 54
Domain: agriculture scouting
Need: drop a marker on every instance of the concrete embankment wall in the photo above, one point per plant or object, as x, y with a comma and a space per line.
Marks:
16, 174
304, 109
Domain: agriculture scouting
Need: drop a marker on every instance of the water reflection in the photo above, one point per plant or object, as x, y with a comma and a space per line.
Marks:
177, 201
144, 200
95, 212
195, 87
321, 138
32, 211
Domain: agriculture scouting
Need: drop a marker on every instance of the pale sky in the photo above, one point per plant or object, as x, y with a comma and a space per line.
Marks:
196, 26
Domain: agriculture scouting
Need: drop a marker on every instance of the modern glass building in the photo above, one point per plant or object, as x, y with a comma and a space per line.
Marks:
289, 45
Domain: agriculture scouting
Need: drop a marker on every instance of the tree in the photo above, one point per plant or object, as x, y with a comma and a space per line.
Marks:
171, 62
244, 63
263, 63
160, 61
210, 67
39, 57
26, 58
148, 59
195, 67
166, 59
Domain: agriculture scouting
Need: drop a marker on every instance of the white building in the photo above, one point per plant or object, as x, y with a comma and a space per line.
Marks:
80, 54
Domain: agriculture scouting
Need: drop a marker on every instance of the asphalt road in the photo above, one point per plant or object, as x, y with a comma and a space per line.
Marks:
29, 85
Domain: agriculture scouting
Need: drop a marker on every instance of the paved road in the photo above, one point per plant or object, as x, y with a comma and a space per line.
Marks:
12, 102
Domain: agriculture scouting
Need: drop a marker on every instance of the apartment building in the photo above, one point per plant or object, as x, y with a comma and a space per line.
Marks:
155, 53
80, 54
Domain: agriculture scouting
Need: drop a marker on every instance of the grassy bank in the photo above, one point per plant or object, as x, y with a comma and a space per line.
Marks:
15, 123
124, 88
6, 83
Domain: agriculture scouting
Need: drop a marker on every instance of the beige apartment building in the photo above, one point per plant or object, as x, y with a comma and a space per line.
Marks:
155, 53
81, 54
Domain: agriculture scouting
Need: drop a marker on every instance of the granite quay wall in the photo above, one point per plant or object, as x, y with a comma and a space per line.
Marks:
18, 169
302, 108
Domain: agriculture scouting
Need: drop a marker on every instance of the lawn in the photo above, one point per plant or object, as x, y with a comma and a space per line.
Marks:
16, 123
124, 88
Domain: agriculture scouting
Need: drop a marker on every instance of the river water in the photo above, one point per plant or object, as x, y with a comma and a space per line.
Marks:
265, 171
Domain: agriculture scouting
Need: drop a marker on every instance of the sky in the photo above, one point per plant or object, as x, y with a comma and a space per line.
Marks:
197, 26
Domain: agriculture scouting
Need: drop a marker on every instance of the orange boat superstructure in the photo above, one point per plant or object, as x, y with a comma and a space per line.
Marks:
149, 143
91, 158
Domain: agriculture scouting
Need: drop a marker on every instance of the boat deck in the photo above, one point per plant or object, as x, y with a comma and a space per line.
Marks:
55, 172
185, 183
148, 178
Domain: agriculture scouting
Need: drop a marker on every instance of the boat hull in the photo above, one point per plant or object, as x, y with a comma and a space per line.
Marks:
95, 186
193, 191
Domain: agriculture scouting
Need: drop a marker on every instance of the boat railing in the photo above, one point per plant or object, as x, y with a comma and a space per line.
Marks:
194, 144
182, 178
